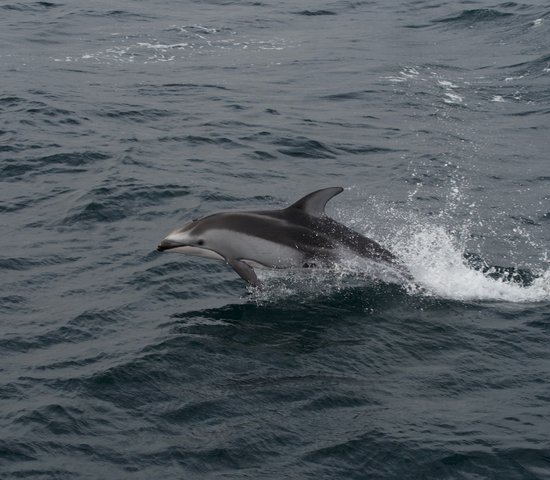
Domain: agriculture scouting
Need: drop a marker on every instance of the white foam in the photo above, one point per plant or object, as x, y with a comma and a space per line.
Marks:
177, 43
433, 82
510, 79
447, 84
436, 262
452, 98
409, 72
162, 46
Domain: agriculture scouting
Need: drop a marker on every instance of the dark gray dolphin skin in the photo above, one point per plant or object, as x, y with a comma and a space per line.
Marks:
301, 235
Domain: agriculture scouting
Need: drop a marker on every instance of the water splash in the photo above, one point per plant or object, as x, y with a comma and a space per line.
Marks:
435, 256
436, 250
437, 262
349, 274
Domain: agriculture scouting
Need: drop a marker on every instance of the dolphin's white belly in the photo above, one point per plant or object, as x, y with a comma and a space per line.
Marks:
197, 252
256, 251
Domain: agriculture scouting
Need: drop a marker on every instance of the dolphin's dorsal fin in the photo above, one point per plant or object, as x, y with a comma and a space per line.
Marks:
314, 202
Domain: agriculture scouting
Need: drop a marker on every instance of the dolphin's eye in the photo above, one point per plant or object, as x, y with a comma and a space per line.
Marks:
200, 242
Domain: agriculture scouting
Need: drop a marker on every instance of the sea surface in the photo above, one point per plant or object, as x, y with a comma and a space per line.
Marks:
120, 121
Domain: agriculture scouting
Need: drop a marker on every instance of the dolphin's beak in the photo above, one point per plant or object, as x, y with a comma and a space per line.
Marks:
168, 244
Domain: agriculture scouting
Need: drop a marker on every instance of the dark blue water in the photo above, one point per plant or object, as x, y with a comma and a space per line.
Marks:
121, 122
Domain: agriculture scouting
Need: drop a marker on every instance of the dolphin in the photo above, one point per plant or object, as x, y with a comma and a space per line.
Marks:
301, 235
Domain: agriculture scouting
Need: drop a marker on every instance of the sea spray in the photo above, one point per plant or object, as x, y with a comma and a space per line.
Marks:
435, 255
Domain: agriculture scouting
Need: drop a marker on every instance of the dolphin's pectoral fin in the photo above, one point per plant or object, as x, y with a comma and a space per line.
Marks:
245, 271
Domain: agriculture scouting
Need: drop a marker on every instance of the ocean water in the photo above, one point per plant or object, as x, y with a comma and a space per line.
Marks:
122, 120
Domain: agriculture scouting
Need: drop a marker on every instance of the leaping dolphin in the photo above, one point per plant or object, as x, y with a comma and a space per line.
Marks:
301, 235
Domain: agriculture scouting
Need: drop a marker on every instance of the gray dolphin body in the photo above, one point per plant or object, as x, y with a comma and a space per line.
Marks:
301, 235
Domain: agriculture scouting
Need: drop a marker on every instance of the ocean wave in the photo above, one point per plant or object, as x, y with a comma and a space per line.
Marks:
30, 6
315, 13
26, 263
304, 148
110, 203
69, 162
475, 16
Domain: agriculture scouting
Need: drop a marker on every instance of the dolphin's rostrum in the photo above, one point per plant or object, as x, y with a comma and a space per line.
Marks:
301, 235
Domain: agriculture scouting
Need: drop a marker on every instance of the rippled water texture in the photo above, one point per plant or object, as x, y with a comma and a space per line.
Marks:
122, 120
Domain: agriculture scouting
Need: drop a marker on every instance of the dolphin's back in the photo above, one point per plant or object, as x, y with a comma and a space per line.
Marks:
360, 244
271, 225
